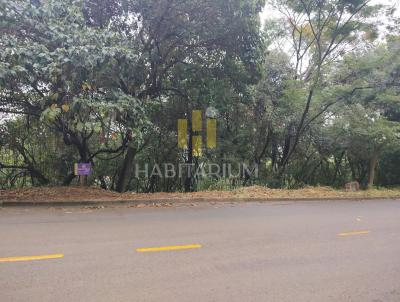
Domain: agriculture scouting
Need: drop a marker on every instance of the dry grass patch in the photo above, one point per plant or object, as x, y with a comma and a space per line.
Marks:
71, 194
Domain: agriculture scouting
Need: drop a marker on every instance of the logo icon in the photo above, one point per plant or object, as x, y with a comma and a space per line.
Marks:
194, 129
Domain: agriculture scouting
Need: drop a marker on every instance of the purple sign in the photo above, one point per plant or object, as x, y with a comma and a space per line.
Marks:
82, 169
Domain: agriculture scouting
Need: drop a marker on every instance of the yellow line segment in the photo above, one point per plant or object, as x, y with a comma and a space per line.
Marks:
169, 248
353, 233
31, 258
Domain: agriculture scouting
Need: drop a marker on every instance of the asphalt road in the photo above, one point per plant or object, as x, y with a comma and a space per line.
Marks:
289, 251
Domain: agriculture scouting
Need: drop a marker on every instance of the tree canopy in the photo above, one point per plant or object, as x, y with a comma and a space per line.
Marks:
310, 98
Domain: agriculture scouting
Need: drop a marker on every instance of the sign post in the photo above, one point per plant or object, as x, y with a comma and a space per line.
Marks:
82, 170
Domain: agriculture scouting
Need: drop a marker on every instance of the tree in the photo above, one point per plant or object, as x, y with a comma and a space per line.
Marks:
184, 44
316, 33
56, 67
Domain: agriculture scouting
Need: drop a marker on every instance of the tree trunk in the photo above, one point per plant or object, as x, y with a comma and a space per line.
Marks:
126, 170
371, 171
36, 174
67, 181
188, 179
338, 163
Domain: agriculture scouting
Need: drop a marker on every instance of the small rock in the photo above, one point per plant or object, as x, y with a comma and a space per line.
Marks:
352, 186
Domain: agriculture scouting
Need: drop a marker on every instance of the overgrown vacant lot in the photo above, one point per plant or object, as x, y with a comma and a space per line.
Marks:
77, 194
305, 92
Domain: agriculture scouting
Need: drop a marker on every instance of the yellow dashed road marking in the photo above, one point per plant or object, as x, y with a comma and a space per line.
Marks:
31, 258
169, 248
353, 233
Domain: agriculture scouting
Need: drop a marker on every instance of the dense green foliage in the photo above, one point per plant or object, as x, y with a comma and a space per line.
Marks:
311, 98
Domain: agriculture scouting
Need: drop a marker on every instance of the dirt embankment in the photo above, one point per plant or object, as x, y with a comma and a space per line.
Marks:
91, 194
